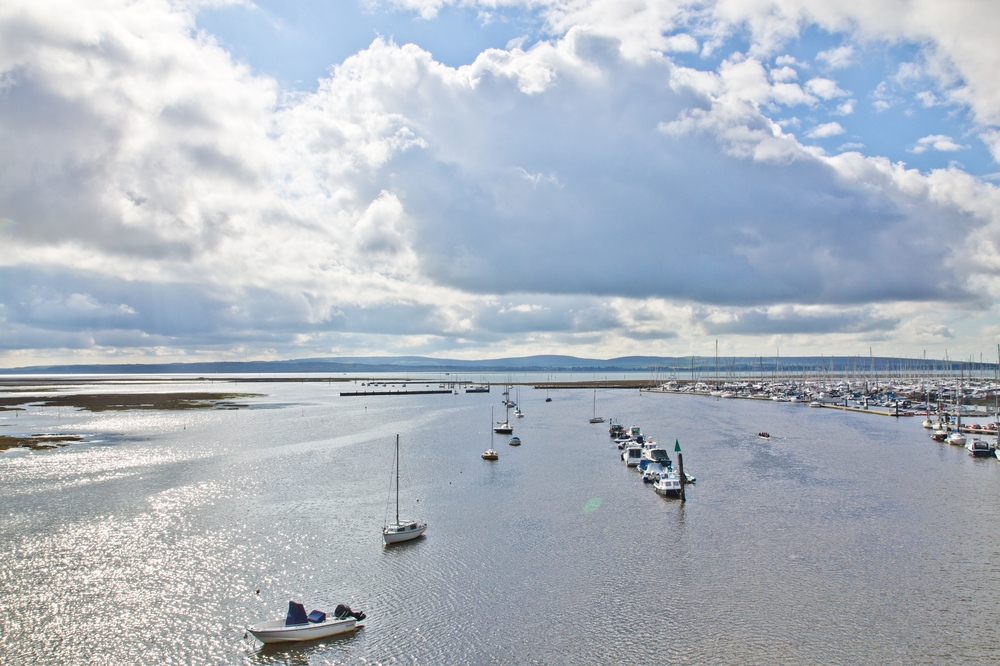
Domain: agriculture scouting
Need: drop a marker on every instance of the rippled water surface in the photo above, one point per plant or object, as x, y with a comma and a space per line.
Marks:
845, 538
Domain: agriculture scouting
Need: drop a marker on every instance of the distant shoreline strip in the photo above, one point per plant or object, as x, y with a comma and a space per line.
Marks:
357, 393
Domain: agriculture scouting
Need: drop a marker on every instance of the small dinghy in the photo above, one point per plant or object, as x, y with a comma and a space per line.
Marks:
297, 626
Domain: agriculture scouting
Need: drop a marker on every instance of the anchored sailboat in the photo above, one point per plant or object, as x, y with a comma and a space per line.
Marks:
490, 453
596, 418
401, 530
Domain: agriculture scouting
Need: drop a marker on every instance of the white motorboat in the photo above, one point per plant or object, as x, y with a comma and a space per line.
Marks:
927, 423
297, 626
401, 530
668, 485
979, 448
654, 472
632, 455
815, 403
514, 441
956, 438
656, 455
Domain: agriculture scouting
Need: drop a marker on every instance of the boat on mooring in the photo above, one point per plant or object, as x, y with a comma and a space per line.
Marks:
297, 626
979, 448
595, 418
401, 530
490, 453
669, 485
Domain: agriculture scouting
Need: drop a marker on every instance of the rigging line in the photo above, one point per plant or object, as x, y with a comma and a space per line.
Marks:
388, 495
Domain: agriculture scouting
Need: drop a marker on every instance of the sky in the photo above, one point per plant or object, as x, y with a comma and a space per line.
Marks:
212, 180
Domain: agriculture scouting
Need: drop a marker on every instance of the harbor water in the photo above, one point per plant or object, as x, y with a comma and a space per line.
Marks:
842, 539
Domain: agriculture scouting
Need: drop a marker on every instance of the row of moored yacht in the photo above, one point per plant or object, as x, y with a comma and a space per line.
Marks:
953, 432
650, 460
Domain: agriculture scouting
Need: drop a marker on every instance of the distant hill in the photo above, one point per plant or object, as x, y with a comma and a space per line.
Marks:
662, 365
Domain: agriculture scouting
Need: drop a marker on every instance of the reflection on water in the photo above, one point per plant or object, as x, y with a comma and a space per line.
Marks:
843, 538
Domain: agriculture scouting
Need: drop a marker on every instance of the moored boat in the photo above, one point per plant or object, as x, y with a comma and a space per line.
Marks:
956, 439
297, 626
490, 453
401, 530
979, 448
668, 485
514, 441
632, 455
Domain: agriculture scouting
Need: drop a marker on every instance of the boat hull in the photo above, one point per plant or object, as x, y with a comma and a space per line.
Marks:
275, 631
392, 536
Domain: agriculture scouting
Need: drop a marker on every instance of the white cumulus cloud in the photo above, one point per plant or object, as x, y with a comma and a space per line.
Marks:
825, 130
938, 142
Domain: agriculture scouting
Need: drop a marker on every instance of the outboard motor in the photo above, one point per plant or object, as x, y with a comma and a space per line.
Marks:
343, 610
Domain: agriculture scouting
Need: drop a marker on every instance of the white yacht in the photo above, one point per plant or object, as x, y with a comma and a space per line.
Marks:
656, 455
401, 530
632, 455
668, 485
979, 448
654, 472
956, 438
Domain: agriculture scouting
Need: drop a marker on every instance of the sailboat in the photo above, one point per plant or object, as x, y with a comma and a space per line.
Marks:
504, 427
596, 418
517, 410
490, 453
401, 530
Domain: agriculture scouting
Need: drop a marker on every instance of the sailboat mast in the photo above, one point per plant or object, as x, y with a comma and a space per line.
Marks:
397, 479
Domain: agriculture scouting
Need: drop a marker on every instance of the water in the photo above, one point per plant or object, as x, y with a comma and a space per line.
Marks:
845, 538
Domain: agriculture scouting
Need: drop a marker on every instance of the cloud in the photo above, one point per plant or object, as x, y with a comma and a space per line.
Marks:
164, 196
846, 108
825, 130
837, 58
825, 88
786, 320
784, 74
939, 142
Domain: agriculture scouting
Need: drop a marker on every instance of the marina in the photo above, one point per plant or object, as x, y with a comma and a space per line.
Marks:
285, 496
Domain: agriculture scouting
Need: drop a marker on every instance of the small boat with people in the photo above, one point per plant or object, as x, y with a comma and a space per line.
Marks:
299, 626
764, 435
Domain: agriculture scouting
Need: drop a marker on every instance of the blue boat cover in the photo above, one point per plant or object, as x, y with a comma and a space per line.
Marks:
296, 614
317, 616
